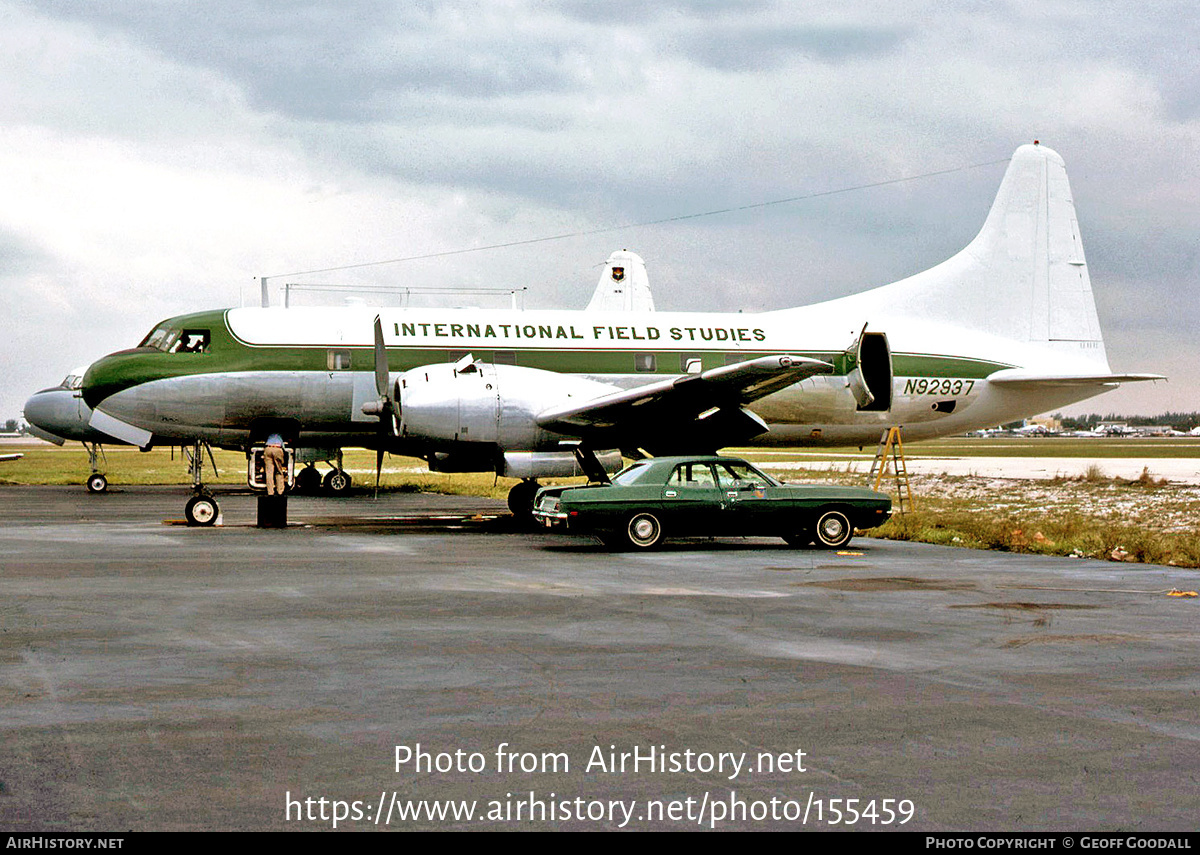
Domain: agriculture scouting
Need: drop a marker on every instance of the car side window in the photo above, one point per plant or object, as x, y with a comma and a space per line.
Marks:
693, 475
730, 473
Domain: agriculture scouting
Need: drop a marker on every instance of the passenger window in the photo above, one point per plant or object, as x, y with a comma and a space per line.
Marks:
337, 360
691, 363
645, 362
504, 357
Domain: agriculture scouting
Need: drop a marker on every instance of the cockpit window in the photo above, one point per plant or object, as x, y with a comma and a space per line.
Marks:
73, 381
192, 341
161, 338
175, 340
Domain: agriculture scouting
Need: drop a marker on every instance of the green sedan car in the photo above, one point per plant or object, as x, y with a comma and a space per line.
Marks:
709, 496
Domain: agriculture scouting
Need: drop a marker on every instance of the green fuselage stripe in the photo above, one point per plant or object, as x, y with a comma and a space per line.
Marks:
228, 354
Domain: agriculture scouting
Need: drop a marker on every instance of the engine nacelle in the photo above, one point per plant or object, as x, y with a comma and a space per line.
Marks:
554, 464
448, 404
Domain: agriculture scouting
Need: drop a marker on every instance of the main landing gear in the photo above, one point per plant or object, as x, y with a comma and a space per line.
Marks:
202, 509
308, 479
96, 482
335, 482
520, 500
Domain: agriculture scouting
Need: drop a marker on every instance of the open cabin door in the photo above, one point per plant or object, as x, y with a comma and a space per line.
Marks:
870, 374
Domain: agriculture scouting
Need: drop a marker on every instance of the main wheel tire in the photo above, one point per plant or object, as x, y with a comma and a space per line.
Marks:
308, 480
644, 531
337, 482
832, 530
202, 510
520, 500
97, 483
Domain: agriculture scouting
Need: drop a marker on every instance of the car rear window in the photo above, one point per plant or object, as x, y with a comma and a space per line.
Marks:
631, 474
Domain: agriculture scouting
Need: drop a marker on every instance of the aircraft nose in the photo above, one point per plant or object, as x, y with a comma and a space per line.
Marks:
39, 410
53, 415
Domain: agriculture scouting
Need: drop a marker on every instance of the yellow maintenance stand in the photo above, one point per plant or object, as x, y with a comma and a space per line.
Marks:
891, 450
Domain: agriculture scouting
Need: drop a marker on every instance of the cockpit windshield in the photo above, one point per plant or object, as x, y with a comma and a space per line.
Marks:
161, 338
175, 340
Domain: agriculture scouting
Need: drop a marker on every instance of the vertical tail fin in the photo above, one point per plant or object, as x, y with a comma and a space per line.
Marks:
1024, 276
624, 285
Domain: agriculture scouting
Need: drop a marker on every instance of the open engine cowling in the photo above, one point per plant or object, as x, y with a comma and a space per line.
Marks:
870, 379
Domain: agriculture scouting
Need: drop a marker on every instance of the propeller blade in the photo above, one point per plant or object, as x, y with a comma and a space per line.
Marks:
378, 469
381, 363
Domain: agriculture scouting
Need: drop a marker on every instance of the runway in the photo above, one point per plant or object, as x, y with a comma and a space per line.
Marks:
156, 677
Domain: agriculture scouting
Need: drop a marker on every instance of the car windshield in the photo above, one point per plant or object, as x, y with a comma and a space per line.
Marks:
631, 473
728, 473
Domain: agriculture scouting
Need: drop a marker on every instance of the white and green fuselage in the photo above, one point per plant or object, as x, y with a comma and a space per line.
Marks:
1005, 329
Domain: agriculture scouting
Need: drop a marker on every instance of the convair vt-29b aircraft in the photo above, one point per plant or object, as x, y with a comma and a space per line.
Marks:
1005, 329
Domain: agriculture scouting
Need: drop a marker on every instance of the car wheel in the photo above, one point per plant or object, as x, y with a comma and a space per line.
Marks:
832, 530
97, 483
201, 510
644, 531
797, 540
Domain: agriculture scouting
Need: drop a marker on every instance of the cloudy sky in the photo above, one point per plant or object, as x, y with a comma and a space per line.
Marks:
158, 157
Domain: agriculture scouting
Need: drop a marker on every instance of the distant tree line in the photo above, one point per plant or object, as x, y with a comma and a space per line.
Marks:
1179, 421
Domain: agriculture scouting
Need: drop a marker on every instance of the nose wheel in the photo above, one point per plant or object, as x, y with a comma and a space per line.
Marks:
202, 509
96, 482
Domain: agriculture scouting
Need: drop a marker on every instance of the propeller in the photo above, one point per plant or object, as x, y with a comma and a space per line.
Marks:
384, 407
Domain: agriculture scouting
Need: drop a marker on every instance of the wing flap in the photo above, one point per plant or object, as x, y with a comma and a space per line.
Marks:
672, 406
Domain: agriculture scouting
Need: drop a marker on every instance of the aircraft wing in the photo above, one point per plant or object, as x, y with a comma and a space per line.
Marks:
696, 410
1017, 378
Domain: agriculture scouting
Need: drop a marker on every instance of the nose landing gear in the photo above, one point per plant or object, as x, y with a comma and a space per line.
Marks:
96, 482
202, 509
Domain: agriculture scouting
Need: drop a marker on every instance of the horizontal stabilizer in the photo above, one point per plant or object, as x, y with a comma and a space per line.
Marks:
1021, 379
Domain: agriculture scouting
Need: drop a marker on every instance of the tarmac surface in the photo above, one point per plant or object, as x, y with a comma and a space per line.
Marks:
159, 677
